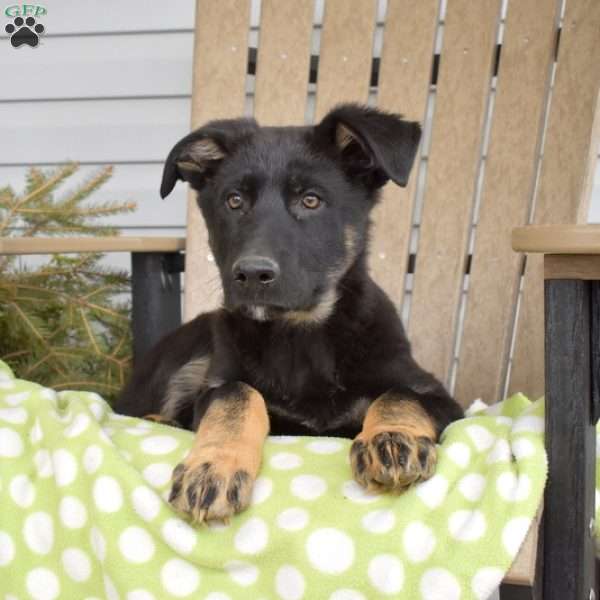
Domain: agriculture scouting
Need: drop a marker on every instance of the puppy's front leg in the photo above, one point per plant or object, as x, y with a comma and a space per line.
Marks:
396, 446
215, 480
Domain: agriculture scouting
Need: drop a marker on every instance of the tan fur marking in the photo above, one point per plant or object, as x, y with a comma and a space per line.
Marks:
188, 379
160, 419
344, 136
205, 150
396, 446
316, 315
228, 442
392, 414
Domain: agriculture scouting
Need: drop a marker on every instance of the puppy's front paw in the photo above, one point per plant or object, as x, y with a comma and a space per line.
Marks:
392, 460
211, 485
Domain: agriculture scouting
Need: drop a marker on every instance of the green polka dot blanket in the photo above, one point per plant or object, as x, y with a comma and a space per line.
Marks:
84, 512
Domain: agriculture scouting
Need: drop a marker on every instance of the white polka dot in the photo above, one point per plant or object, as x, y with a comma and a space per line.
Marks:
78, 426
467, 525
97, 410
514, 533
159, 444
263, 487
284, 461
10, 443
36, 434
16, 416
346, 594
439, 584
419, 541
513, 488
179, 577
330, 550
76, 564
92, 458
73, 513
308, 487
15, 399
22, 491
43, 463
49, 395
38, 532
283, 439
481, 437
145, 502
141, 595
379, 521
65, 467
486, 581
217, 596
98, 543
355, 492
459, 453
136, 545
107, 494
529, 424
433, 491
42, 584
324, 446
137, 430
503, 420
471, 486
110, 590
524, 448
499, 453
292, 519
158, 474
289, 583
7, 549
241, 572
252, 536
179, 535
386, 573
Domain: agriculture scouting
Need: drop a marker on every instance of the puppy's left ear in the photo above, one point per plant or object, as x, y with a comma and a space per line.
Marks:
370, 143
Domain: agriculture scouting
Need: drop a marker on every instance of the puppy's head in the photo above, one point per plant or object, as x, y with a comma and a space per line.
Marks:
287, 208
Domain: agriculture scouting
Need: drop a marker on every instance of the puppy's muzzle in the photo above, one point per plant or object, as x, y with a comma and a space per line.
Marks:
254, 273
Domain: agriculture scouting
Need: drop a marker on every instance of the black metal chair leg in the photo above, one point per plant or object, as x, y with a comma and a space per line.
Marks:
570, 441
156, 297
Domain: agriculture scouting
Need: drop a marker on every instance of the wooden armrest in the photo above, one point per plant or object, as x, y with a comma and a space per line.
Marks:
90, 244
557, 239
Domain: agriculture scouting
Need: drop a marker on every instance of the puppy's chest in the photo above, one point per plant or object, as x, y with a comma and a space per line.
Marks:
302, 385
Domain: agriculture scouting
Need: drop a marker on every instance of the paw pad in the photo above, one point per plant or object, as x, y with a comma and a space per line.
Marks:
24, 31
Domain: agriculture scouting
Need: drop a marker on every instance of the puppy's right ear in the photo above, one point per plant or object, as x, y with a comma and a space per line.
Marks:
197, 156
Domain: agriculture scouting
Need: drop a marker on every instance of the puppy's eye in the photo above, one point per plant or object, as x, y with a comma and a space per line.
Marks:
311, 201
234, 201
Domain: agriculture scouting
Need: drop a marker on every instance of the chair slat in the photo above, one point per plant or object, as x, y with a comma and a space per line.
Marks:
522, 86
283, 62
346, 52
220, 64
404, 77
462, 92
563, 174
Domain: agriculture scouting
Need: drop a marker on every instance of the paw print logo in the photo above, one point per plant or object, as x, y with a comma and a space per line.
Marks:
24, 32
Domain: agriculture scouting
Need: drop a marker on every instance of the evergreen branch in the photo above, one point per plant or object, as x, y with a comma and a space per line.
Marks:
50, 184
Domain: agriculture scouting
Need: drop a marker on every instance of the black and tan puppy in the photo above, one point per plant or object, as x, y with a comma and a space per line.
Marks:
306, 342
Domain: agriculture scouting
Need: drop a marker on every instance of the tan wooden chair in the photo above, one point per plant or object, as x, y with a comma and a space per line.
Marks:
509, 140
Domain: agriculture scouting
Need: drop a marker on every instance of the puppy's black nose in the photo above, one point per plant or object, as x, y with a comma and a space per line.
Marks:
255, 270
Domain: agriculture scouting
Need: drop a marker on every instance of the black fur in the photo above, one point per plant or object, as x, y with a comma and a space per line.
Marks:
318, 363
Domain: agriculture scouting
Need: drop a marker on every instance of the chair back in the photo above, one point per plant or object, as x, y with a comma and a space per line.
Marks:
508, 96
